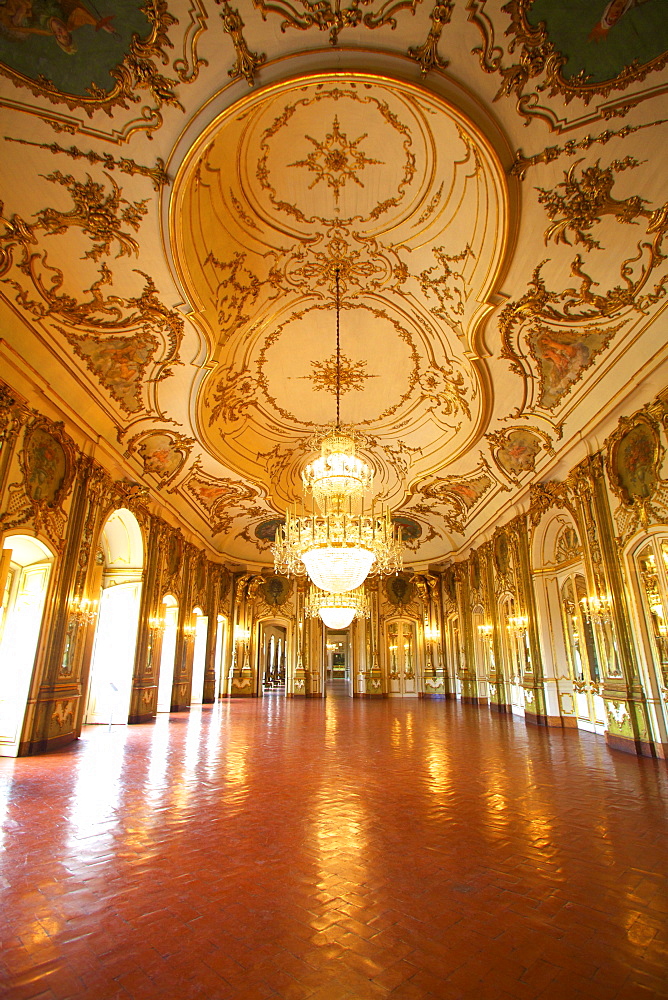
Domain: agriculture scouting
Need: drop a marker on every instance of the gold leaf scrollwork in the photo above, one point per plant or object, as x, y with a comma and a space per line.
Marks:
427, 53
98, 214
220, 501
449, 287
522, 163
568, 329
247, 63
125, 165
330, 15
136, 73
539, 60
577, 203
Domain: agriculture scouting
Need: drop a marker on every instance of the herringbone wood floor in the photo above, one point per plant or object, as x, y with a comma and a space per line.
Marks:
334, 850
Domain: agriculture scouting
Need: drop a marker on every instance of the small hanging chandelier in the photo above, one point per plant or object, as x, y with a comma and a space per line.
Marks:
336, 610
339, 546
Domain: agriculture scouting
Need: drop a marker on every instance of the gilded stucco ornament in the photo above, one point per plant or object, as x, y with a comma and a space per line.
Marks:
634, 459
247, 63
427, 53
48, 463
577, 203
219, 501
335, 15
117, 337
565, 331
124, 164
134, 73
522, 163
531, 63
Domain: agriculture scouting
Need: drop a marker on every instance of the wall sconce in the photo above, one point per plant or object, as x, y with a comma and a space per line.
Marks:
486, 631
518, 625
597, 609
188, 633
156, 624
241, 634
432, 634
83, 611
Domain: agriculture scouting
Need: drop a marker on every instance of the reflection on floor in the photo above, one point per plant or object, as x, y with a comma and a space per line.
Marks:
333, 850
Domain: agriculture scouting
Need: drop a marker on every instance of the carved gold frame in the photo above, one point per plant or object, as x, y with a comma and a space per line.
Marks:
537, 58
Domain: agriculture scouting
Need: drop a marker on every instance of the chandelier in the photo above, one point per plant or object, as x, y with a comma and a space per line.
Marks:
336, 610
340, 543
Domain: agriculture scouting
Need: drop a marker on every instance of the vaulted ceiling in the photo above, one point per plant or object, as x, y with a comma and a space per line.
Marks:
181, 182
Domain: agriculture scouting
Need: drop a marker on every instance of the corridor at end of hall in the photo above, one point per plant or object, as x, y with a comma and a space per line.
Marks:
333, 850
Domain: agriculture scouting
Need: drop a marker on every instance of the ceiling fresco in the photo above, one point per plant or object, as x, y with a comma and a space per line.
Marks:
181, 181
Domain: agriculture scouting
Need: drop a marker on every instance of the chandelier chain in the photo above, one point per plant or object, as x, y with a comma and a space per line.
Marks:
338, 353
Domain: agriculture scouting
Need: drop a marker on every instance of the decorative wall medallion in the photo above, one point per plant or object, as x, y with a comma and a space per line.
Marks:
48, 464
163, 453
634, 462
174, 554
634, 458
474, 571
399, 589
277, 590
48, 474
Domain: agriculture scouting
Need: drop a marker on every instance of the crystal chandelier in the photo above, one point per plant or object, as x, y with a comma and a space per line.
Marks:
337, 610
341, 543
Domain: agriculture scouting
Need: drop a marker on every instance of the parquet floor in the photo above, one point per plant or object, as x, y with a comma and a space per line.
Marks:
333, 851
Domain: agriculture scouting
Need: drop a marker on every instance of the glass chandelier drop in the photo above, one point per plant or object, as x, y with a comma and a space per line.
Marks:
339, 544
337, 610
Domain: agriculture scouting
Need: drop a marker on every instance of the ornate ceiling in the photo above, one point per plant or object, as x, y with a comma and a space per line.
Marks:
181, 181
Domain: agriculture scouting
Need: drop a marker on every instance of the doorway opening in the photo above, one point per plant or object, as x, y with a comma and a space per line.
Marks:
112, 664
167, 653
338, 672
25, 571
273, 645
201, 633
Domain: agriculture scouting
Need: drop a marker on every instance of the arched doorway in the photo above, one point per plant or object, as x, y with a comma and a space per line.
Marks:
170, 623
219, 657
112, 663
200, 633
650, 565
24, 580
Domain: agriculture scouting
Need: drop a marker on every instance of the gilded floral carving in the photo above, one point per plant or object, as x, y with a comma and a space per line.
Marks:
333, 16
247, 62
